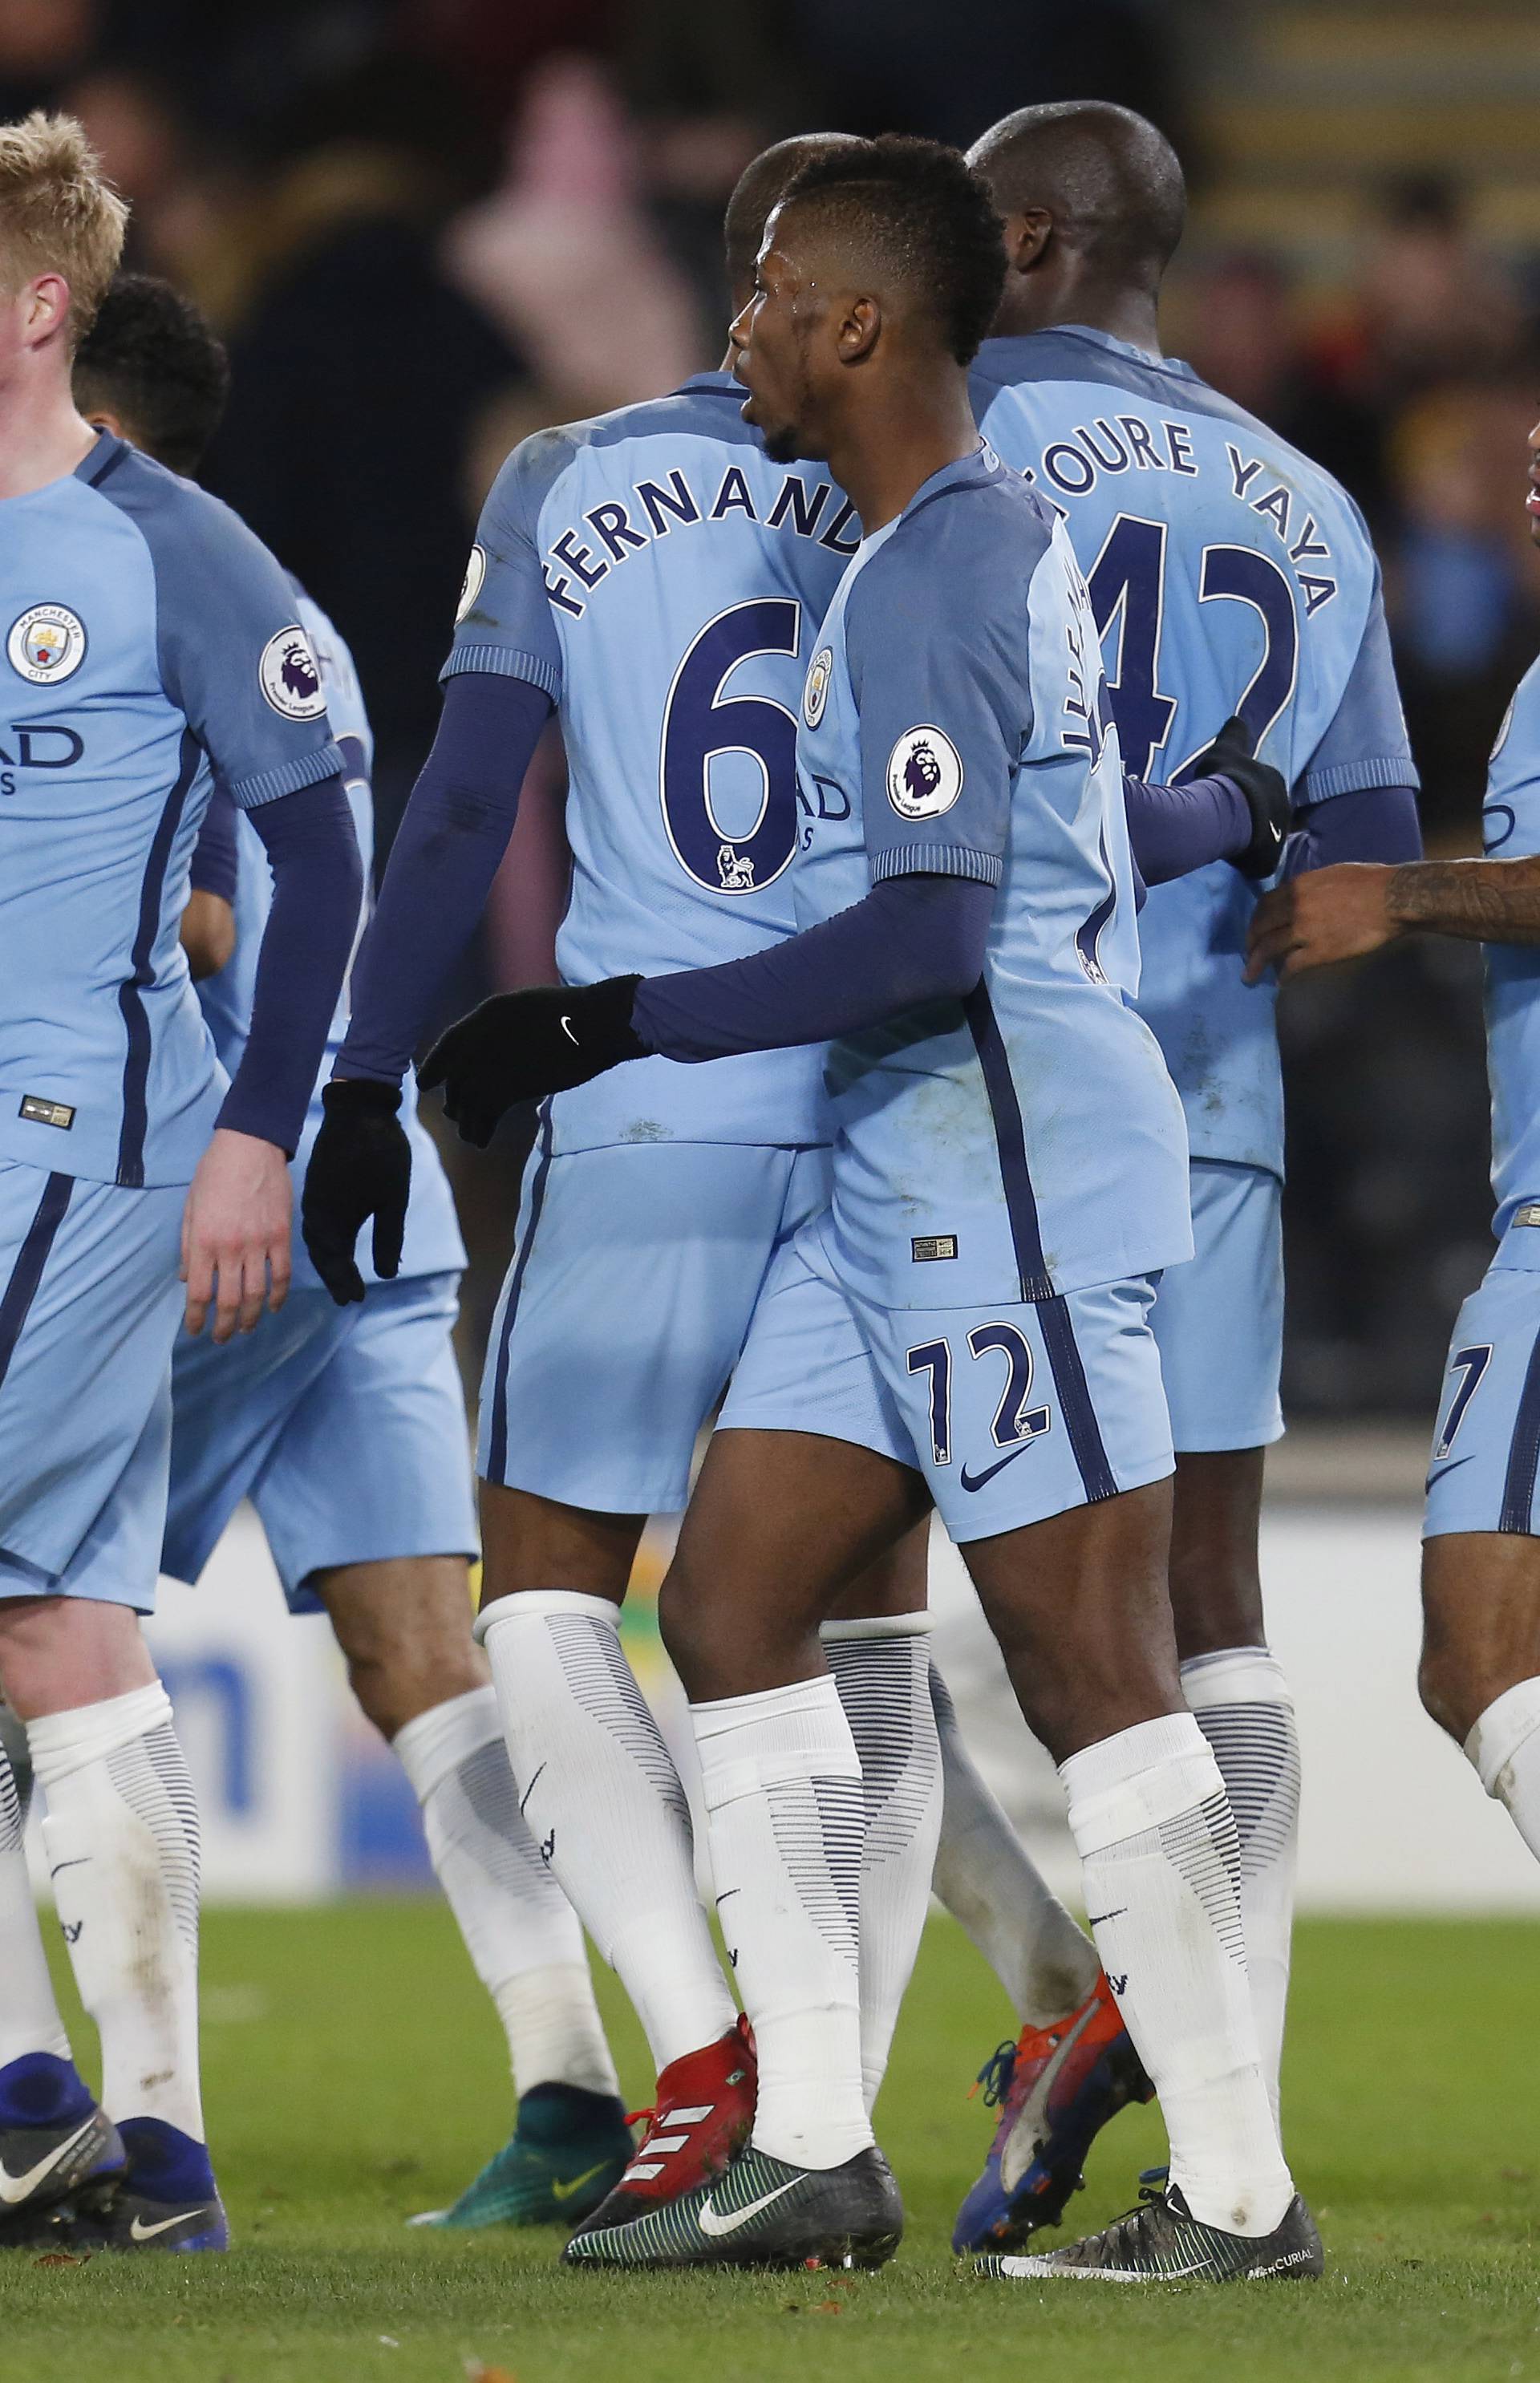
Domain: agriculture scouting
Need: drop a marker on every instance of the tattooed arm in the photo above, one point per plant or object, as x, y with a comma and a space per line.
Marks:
1340, 914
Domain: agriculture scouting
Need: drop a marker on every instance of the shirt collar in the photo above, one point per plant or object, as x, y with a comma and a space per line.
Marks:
719, 384
1119, 348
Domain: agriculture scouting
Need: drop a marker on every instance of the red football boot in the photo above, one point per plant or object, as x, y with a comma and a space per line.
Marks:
704, 2111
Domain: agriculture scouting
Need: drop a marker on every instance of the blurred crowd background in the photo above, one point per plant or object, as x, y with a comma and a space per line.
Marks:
428, 227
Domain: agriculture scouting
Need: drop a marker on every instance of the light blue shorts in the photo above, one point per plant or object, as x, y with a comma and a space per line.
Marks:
1486, 1441
345, 1427
90, 1304
635, 1275
1012, 1413
1218, 1320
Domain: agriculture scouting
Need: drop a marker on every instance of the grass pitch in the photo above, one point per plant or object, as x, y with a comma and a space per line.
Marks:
354, 2075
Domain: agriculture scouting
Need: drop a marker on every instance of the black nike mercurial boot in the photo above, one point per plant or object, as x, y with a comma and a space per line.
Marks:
763, 2212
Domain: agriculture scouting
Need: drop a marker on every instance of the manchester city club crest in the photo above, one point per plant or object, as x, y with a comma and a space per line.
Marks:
925, 774
46, 644
289, 679
815, 695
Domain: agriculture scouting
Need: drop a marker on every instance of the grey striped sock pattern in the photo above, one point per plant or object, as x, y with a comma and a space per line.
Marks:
1201, 1846
11, 1808
593, 1666
151, 1775
819, 1837
1258, 1753
476, 1808
884, 1685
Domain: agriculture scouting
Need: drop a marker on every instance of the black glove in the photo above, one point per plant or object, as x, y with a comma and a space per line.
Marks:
359, 1167
519, 1047
1265, 791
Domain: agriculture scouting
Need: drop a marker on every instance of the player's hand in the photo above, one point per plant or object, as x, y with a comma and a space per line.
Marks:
1324, 915
361, 1167
236, 1231
519, 1047
1264, 789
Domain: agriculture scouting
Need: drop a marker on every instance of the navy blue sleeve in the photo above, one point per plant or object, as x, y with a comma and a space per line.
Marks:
912, 940
1375, 824
318, 888
1173, 830
216, 866
447, 851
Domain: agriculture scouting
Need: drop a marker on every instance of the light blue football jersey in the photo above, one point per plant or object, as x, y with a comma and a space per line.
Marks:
662, 581
1228, 573
149, 640
1511, 831
432, 1244
1027, 1141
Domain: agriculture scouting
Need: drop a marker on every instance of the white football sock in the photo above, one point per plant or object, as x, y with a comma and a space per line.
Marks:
29, 2018
1243, 1707
1505, 1748
598, 1789
1046, 1964
121, 1834
782, 1786
523, 1937
881, 1668
1149, 1814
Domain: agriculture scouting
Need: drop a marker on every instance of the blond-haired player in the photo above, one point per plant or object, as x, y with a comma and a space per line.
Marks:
147, 641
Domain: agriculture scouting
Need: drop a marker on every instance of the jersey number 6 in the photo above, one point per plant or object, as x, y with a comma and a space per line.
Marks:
741, 850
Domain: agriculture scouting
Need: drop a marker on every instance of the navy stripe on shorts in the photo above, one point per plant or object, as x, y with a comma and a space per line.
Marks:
30, 1259
497, 1442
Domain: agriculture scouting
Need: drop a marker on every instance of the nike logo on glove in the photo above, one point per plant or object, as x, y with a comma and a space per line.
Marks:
566, 1024
17, 2188
140, 2233
710, 2224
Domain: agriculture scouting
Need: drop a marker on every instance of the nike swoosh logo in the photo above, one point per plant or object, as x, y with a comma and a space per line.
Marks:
567, 1030
17, 2188
565, 2192
977, 1480
140, 2233
713, 2225
1096, 1918
1031, 2128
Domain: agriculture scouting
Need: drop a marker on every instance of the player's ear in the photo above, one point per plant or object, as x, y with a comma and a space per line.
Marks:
1027, 233
859, 326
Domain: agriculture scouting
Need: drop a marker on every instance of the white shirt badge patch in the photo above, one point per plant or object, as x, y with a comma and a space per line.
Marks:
46, 644
470, 586
815, 695
925, 774
289, 679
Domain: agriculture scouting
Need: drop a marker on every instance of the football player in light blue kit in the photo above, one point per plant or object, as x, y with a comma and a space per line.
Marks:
382, 1542
149, 641
1481, 1553
1228, 573
661, 580
1009, 1177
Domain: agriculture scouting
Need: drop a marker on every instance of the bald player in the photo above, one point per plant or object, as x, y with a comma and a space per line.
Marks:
1228, 575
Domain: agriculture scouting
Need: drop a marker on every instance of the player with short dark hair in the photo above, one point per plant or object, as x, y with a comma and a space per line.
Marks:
383, 1544
1228, 573
1008, 1180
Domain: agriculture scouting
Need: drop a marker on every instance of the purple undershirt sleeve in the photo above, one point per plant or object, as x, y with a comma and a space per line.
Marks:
317, 886
216, 866
1376, 823
1173, 830
913, 940
451, 839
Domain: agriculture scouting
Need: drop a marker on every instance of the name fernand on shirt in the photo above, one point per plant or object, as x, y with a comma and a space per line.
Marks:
609, 533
